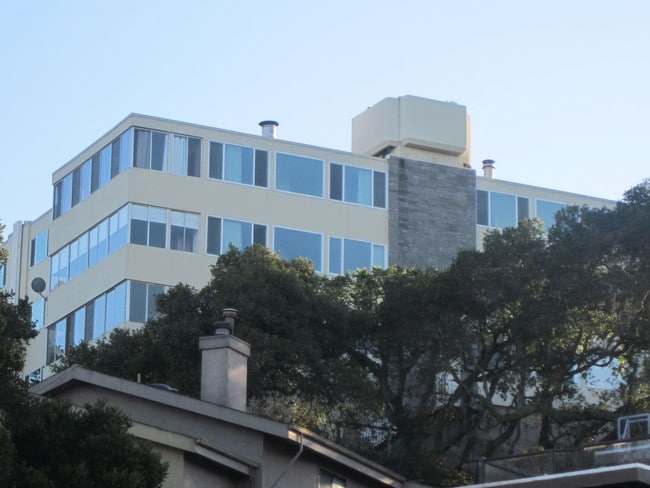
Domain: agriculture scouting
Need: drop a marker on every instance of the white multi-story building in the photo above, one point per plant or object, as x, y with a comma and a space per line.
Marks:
153, 202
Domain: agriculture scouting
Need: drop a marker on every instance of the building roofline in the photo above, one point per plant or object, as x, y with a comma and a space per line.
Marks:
631, 475
79, 375
135, 115
480, 178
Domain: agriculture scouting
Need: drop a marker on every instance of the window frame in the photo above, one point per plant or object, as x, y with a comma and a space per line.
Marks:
318, 269
217, 164
38, 248
374, 194
341, 256
293, 192
221, 246
552, 202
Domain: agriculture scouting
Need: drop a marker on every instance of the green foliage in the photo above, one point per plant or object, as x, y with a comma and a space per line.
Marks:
15, 329
4, 254
424, 370
56, 444
46, 443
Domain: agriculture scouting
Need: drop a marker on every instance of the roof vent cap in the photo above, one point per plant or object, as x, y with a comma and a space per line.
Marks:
269, 128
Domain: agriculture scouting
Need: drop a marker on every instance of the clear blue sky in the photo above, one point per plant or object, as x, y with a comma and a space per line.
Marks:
558, 91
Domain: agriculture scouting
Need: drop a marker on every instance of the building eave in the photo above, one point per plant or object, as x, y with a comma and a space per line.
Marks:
76, 375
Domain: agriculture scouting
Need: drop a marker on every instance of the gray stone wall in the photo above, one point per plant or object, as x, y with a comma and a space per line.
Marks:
432, 212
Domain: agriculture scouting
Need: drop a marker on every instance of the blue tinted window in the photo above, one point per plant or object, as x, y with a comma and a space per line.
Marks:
159, 150
261, 168
152, 295
74, 258
79, 255
64, 265
482, 207
38, 248
503, 210
379, 189
56, 336
116, 306
523, 208
378, 255
292, 244
238, 166
57, 204
2, 275
76, 186
347, 255
66, 193
85, 173
38, 313
137, 302
99, 316
54, 271
126, 150
356, 254
546, 211
298, 174
184, 231
102, 240
336, 256
358, 185
118, 229
179, 155
237, 233
215, 169
142, 301
142, 149
214, 236
104, 166
223, 232
336, 181
259, 234
76, 327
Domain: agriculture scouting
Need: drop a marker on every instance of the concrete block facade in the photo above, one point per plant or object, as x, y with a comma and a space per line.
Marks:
433, 212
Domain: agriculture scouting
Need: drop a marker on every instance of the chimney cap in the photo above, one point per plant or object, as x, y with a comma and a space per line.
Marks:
227, 325
269, 122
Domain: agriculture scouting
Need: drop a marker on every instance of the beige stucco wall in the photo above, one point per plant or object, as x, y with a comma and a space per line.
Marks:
200, 195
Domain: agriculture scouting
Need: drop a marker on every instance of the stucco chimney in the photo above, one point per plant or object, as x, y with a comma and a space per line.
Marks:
224, 364
488, 168
269, 128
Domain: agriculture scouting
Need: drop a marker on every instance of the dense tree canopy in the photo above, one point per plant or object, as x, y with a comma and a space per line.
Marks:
423, 369
48, 443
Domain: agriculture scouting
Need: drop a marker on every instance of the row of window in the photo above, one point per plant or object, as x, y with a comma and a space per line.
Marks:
297, 174
239, 164
169, 229
89, 249
495, 209
76, 186
130, 300
357, 185
179, 154
140, 148
171, 153
137, 224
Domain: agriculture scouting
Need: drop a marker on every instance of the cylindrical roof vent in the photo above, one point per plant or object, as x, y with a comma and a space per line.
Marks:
269, 128
488, 168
